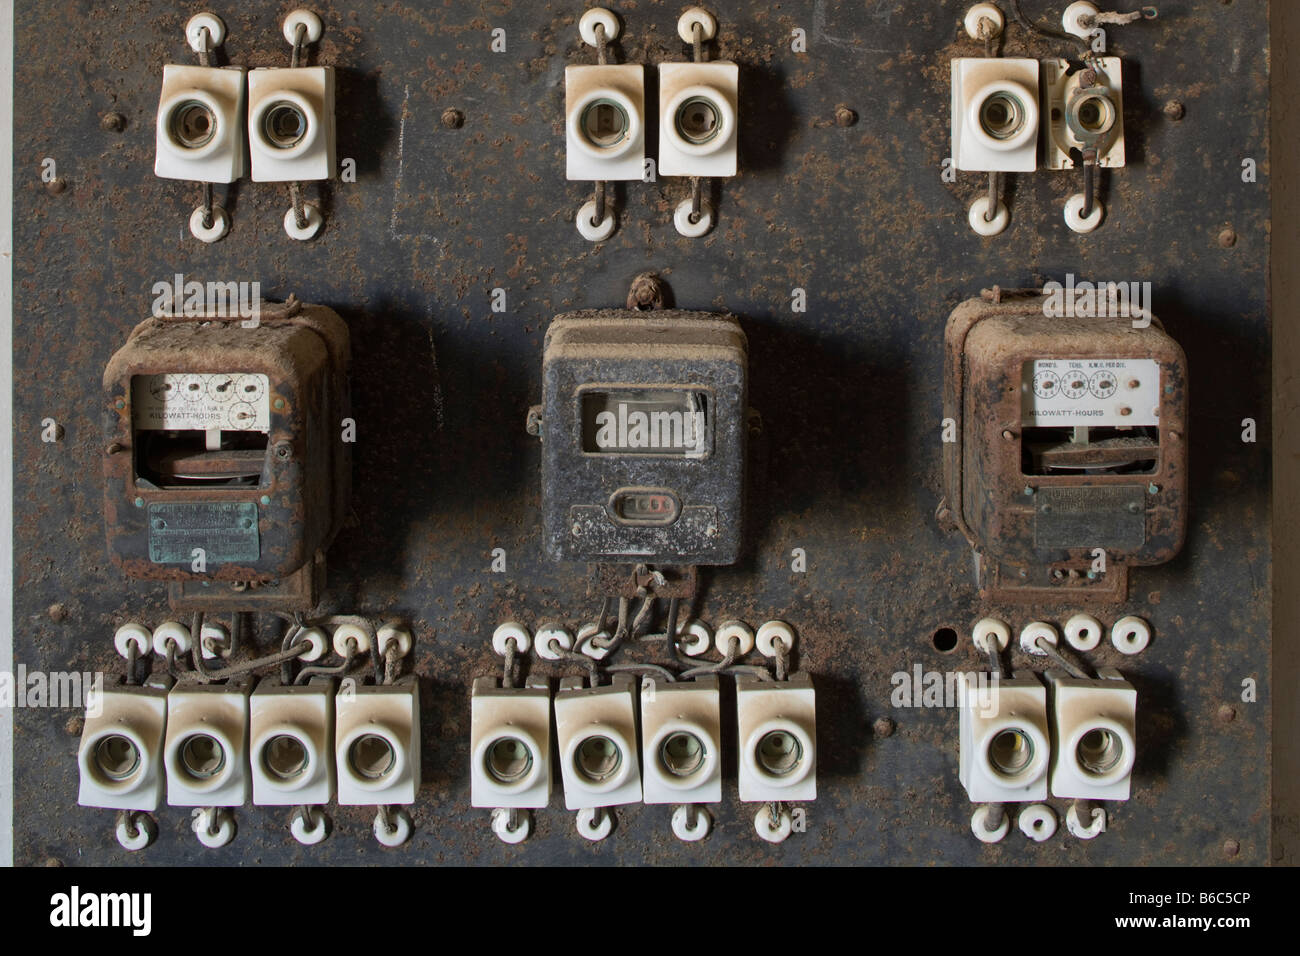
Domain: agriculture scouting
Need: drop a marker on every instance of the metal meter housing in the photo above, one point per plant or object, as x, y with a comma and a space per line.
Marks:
1069, 435
644, 427
226, 436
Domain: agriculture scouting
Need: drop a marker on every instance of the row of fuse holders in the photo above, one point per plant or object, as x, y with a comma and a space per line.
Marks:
220, 744
661, 746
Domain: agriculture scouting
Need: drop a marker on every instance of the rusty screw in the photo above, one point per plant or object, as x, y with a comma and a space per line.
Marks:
1227, 714
845, 116
58, 613
1175, 110
646, 292
1231, 848
56, 186
75, 726
283, 450
453, 118
112, 122
1228, 238
883, 727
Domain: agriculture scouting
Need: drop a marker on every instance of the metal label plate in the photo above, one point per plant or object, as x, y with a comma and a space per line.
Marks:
226, 531
1111, 518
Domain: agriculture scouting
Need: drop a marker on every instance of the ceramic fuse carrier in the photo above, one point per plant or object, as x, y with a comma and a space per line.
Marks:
1068, 463
226, 472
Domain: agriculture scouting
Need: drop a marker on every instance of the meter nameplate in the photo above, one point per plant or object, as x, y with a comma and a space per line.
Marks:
1111, 393
226, 531
183, 401
659, 421
1113, 518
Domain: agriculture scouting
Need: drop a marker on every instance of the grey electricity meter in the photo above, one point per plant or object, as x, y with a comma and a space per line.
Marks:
644, 424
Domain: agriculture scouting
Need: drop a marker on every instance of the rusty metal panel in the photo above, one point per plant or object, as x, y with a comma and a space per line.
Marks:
461, 190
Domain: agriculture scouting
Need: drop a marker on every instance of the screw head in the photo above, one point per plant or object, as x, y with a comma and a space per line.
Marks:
1231, 847
883, 727
1228, 238
56, 186
139, 502
1175, 110
453, 118
845, 116
1227, 713
112, 122
266, 499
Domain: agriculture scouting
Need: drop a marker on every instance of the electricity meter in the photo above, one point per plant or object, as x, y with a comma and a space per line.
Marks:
227, 469
644, 432
1065, 460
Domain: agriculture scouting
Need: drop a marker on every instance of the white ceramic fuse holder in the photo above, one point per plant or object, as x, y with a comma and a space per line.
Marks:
200, 125
777, 730
604, 122
698, 118
1003, 748
206, 754
681, 740
595, 729
1078, 116
510, 745
291, 123
377, 742
995, 114
120, 756
1093, 729
291, 753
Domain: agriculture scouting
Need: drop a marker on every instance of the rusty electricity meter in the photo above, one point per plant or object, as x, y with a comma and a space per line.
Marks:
1066, 462
644, 434
227, 469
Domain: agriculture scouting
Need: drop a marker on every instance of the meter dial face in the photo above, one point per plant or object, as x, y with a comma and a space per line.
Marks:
1103, 384
221, 388
192, 388
1074, 384
1046, 384
243, 416
249, 388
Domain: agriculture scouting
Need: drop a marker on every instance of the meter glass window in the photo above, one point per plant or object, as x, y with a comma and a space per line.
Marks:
200, 429
671, 423
1090, 416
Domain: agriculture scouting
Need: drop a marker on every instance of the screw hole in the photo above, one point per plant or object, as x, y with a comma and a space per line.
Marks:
944, 639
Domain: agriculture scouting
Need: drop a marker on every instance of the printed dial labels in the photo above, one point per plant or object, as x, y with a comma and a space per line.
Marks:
1111, 393
177, 401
